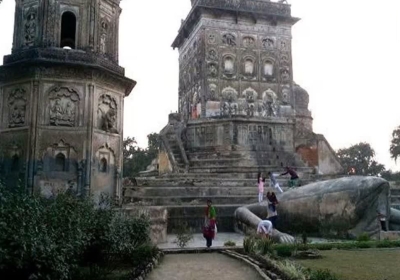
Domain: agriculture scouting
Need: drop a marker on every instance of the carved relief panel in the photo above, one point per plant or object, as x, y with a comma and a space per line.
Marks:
249, 42
107, 114
104, 29
30, 26
268, 43
229, 39
63, 107
17, 104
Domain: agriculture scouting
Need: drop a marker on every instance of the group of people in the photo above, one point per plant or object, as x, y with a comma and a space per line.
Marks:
265, 227
294, 181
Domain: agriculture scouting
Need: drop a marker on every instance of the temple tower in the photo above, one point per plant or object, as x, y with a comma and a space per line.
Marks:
62, 97
237, 99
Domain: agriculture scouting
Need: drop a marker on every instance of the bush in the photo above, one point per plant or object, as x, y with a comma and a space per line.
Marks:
322, 275
364, 244
385, 244
54, 238
284, 250
229, 243
249, 244
363, 237
183, 235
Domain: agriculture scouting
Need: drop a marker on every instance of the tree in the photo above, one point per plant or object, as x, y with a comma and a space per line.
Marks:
359, 159
137, 159
395, 144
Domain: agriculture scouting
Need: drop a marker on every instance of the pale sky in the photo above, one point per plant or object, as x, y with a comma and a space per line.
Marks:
346, 54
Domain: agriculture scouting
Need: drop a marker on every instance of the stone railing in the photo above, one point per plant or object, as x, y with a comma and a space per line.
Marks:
63, 55
255, 6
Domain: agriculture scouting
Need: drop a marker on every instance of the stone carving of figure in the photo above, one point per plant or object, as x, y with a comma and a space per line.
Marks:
212, 69
212, 39
268, 43
225, 108
248, 42
284, 46
285, 74
17, 108
56, 113
250, 110
229, 39
109, 121
30, 29
103, 43
212, 55
70, 112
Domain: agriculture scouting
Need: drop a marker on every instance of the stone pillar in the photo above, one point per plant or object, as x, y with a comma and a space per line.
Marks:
32, 139
89, 146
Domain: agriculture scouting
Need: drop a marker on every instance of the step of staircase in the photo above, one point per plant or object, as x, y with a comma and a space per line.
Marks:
192, 200
197, 191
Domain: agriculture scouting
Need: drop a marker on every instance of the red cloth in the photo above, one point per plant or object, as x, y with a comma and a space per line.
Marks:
209, 231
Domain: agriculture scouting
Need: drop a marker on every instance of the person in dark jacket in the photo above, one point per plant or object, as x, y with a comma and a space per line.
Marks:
294, 178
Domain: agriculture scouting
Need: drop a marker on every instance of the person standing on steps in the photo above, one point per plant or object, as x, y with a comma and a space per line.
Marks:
265, 228
260, 182
272, 203
209, 224
294, 178
273, 182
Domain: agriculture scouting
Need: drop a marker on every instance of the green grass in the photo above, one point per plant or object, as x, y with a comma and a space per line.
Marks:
371, 264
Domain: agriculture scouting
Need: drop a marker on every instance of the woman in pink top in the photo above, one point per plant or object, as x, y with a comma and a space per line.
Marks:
261, 181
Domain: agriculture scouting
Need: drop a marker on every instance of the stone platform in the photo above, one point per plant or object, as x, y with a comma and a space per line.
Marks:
184, 196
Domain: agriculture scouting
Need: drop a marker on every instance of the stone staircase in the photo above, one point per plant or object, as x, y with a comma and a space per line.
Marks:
185, 195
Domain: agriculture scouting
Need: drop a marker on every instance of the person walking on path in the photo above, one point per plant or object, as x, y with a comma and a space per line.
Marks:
209, 224
265, 228
294, 178
273, 182
260, 182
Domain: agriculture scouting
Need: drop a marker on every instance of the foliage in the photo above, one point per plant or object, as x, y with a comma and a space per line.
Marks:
389, 175
53, 238
322, 274
183, 235
254, 244
395, 144
229, 243
137, 159
291, 269
360, 158
363, 237
284, 251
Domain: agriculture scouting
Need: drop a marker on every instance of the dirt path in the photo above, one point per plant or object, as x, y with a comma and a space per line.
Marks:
202, 266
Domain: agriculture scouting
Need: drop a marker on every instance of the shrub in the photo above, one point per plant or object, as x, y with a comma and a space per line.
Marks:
385, 244
363, 237
284, 250
183, 235
229, 243
53, 238
364, 244
264, 245
322, 275
249, 244
291, 269
323, 246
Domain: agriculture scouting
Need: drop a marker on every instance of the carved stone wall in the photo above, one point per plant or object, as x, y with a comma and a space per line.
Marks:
39, 24
247, 59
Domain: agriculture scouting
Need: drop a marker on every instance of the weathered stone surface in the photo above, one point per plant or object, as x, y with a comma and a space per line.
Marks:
61, 98
347, 206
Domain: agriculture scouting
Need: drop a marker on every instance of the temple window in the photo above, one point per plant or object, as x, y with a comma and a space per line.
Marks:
68, 31
60, 163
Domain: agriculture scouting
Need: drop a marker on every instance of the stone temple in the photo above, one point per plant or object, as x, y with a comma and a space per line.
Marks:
240, 113
62, 97
239, 109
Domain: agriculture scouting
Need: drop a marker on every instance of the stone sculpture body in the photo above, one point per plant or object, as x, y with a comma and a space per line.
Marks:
347, 206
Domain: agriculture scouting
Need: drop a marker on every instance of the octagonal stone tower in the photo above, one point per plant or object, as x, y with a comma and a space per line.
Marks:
239, 109
62, 97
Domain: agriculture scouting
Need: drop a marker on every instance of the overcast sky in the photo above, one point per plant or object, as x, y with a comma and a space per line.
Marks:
346, 54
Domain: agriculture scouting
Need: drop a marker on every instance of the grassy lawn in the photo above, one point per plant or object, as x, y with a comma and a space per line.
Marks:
371, 264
